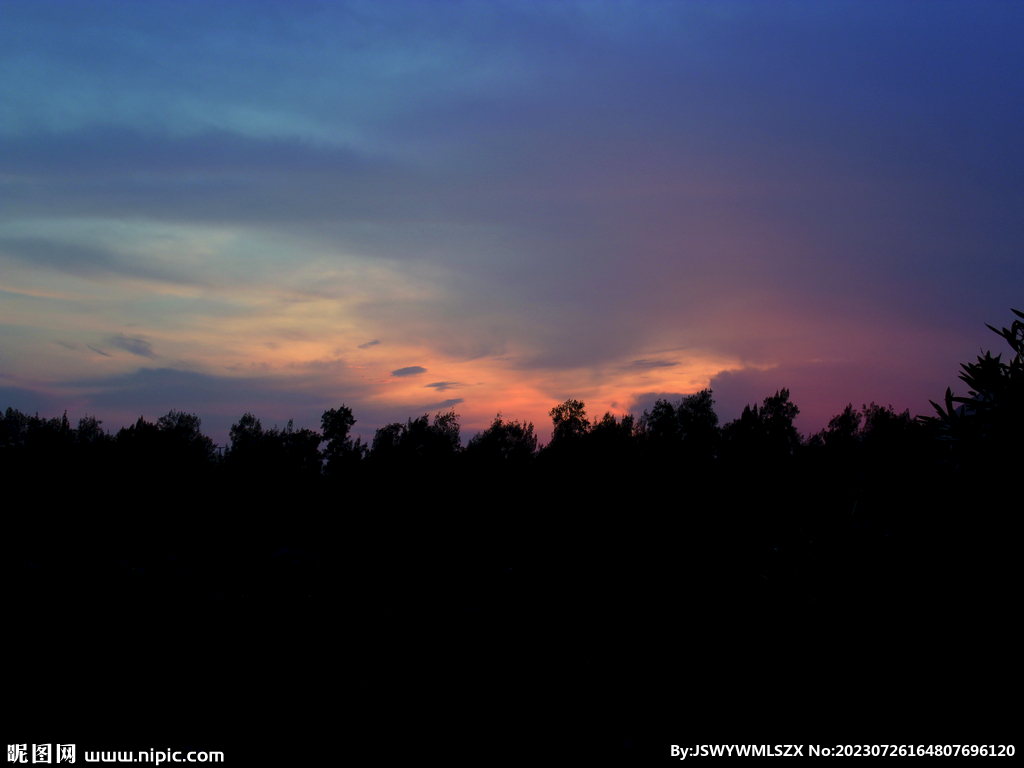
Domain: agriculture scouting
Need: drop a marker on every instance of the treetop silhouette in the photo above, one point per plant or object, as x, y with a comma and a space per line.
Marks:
569, 420
990, 420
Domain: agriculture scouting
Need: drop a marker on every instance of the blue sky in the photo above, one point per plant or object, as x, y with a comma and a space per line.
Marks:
406, 207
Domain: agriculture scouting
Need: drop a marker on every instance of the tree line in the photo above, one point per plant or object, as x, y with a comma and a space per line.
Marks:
688, 427
969, 435
727, 552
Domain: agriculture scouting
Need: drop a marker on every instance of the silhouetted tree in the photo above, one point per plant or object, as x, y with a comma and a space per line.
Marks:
387, 439
660, 429
991, 419
613, 441
979, 440
844, 429
687, 430
138, 440
89, 431
246, 438
569, 421
14, 428
446, 428
418, 440
744, 436
300, 449
767, 433
698, 424
885, 427
777, 415
181, 432
503, 442
340, 450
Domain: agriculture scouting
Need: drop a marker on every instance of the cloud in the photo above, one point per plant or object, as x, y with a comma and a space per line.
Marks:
155, 385
645, 401
446, 403
651, 364
83, 260
444, 386
31, 401
369, 344
214, 177
134, 345
412, 370
98, 351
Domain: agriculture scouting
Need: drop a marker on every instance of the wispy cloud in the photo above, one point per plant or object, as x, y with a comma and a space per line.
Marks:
98, 351
133, 345
84, 260
444, 386
447, 403
645, 364
412, 370
369, 344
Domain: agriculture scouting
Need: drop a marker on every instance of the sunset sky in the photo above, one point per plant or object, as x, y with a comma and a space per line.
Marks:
280, 207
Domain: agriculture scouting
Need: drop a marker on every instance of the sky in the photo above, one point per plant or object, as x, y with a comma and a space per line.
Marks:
409, 207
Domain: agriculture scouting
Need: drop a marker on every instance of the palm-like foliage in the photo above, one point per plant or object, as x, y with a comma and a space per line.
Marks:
993, 413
